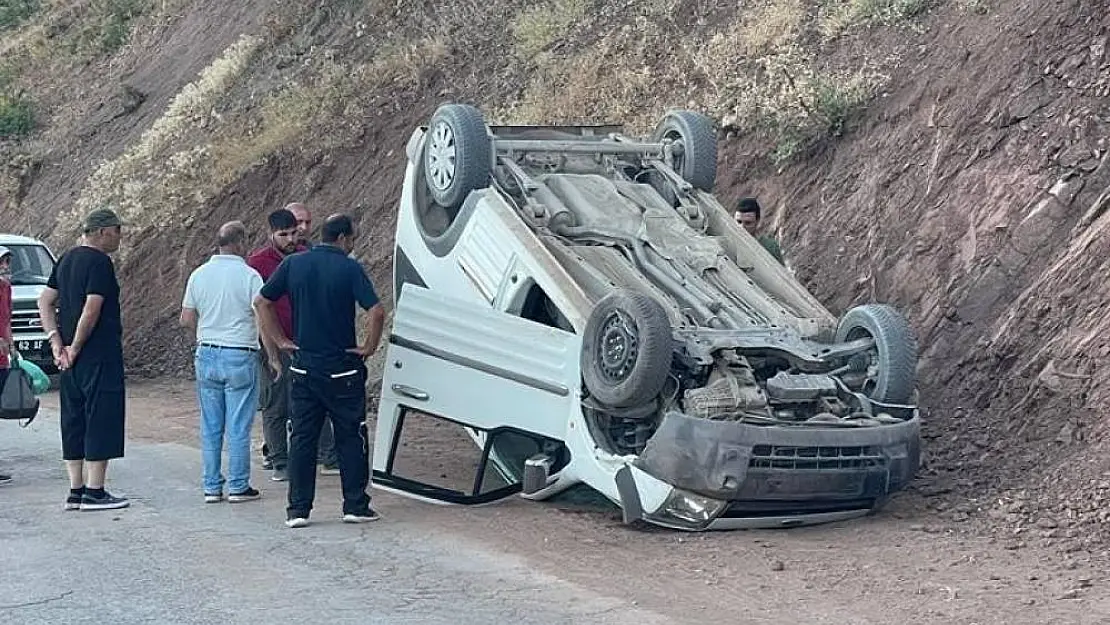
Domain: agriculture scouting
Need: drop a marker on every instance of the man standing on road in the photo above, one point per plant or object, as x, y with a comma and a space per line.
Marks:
748, 214
6, 347
275, 385
88, 350
329, 465
328, 371
218, 307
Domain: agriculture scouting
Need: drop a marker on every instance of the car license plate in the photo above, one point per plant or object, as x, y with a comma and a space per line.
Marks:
29, 346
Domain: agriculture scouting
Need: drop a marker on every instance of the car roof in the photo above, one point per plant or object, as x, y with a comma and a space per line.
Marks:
15, 239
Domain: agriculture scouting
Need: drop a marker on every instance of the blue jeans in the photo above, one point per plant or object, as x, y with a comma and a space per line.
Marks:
227, 387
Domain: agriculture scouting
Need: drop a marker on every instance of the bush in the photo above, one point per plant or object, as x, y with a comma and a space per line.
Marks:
17, 116
14, 12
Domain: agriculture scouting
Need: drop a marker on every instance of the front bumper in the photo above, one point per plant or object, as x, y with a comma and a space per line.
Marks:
740, 475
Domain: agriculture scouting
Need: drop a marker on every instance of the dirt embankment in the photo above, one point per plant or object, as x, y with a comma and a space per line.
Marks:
970, 192
974, 197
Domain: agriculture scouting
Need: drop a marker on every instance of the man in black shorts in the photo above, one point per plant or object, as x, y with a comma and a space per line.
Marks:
88, 349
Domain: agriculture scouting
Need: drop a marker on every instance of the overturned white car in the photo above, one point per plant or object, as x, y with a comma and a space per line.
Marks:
582, 307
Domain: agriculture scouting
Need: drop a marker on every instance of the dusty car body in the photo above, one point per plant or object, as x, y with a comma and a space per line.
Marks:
32, 263
581, 303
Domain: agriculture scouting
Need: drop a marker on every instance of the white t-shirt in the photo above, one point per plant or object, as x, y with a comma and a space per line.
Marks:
221, 291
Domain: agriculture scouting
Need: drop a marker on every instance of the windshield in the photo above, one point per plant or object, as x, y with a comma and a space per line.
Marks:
31, 264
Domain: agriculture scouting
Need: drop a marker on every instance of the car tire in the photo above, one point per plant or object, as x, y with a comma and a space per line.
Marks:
693, 133
627, 349
456, 154
895, 352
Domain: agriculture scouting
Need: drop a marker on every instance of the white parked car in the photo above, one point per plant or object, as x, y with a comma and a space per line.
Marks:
580, 304
32, 263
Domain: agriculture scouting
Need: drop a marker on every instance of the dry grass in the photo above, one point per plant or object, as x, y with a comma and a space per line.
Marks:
768, 28
191, 153
537, 27
840, 16
142, 183
584, 88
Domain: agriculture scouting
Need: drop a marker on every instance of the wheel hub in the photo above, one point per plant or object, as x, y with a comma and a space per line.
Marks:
441, 156
619, 348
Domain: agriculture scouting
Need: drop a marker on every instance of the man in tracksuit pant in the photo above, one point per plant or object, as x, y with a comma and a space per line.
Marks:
328, 371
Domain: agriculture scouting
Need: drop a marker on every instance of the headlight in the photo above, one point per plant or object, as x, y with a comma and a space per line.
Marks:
688, 510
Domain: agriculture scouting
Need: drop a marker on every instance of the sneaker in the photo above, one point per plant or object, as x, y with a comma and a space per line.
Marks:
248, 495
73, 501
267, 464
102, 501
280, 476
213, 497
298, 521
365, 516
329, 469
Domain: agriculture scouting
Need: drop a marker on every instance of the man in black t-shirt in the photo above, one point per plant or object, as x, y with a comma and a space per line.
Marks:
87, 341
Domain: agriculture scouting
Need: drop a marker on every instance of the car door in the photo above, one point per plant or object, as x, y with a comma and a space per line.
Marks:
466, 381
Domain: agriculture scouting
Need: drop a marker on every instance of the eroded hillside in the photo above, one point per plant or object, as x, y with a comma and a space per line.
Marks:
949, 157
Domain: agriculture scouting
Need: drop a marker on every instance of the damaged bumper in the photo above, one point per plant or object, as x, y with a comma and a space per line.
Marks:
700, 474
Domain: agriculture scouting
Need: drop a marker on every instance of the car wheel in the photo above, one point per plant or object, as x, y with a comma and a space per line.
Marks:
694, 144
456, 154
626, 349
893, 361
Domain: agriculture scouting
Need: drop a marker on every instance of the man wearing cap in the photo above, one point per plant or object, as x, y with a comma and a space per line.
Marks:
87, 341
5, 325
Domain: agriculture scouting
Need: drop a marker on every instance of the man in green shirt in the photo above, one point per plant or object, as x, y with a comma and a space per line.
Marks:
747, 214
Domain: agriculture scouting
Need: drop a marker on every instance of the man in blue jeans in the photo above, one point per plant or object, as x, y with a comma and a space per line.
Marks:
218, 306
328, 369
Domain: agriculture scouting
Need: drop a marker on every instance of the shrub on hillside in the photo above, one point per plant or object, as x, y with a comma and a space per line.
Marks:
17, 116
14, 12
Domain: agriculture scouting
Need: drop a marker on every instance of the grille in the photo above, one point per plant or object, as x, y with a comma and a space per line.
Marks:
26, 322
804, 458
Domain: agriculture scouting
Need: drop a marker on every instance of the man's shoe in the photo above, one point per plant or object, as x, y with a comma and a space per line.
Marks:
365, 516
248, 495
329, 469
102, 500
5, 479
298, 521
213, 497
73, 501
267, 464
280, 475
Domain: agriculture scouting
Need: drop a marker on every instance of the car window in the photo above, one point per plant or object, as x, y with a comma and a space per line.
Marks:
31, 264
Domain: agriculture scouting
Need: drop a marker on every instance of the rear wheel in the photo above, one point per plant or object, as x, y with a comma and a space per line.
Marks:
626, 349
456, 154
694, 146
891, 372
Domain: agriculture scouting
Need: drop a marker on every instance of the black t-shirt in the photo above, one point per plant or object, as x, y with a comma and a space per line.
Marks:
324, 285
80, 272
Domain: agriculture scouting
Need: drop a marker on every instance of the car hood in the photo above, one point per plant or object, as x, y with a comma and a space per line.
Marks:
27, 291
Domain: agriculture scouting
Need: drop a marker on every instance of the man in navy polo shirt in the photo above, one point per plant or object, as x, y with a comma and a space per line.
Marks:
328, 370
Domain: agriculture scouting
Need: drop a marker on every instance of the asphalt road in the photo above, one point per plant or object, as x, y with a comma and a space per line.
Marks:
170, 558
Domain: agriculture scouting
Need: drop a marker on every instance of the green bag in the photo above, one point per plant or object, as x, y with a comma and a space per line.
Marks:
40, 382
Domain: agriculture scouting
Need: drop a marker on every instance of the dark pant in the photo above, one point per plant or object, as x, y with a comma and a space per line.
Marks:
274, 401
326, 452
92, 403
344, 399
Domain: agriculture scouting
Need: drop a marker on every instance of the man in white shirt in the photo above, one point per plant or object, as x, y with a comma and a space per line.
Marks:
217, 305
